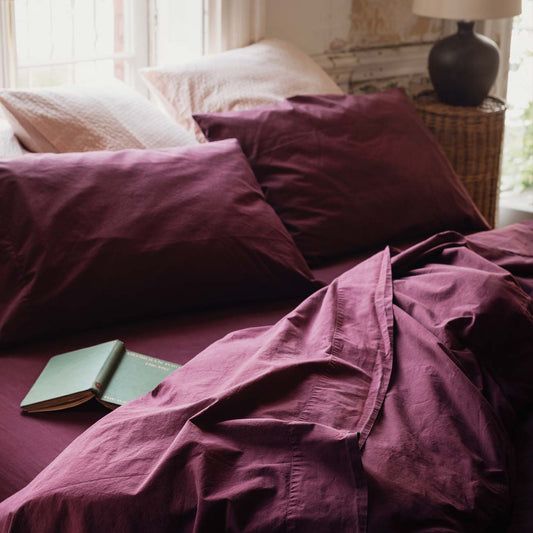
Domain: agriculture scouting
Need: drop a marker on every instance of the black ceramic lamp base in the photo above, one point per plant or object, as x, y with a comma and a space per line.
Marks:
463, 67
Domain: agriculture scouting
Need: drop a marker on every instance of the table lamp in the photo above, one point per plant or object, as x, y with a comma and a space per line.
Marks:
463, 66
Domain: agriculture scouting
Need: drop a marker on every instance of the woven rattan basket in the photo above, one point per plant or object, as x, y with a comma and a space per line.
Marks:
472, 139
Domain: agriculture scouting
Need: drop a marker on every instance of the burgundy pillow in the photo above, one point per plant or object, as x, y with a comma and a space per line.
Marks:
349, 172
90, 238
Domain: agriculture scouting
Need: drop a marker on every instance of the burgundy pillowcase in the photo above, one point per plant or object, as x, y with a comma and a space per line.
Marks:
349, 172
87, 239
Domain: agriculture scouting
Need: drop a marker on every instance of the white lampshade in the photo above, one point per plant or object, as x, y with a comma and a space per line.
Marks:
467, 9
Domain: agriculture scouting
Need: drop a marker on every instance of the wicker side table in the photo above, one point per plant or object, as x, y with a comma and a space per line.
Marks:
472, 139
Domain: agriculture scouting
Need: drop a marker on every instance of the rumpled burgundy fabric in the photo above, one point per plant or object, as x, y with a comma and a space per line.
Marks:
384, 402
349, 172
92, 238
30, 443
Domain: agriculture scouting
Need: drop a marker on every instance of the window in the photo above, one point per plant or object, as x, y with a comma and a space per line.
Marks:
73, 41
517, 171
53, 42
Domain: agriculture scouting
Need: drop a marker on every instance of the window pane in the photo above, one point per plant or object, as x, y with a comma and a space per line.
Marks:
89, 71
45, 76
179, 30
517, 173
72, 41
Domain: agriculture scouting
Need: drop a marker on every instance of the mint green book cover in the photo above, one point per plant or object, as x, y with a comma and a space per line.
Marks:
106, 371
135, 375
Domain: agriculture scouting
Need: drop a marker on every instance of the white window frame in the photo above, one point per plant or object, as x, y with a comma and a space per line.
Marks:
143, 27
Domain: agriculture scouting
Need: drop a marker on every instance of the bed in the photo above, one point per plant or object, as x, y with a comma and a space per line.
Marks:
301, 432
356, 341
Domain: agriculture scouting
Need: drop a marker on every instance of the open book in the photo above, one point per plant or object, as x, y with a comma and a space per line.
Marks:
107, 372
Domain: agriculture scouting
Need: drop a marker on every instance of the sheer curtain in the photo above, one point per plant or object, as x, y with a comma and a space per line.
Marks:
500, 31
7, 43
233, 23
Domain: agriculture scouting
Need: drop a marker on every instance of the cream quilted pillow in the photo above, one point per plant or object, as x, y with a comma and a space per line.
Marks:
243, 78
81, 119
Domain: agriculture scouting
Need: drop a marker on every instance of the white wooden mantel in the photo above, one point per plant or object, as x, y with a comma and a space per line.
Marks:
370, 65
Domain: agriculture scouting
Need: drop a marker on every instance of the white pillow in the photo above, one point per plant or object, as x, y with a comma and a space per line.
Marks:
81, 119
243, 78
9, 146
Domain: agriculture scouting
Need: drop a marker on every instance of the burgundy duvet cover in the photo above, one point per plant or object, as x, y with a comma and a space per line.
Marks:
391, 400
29, 443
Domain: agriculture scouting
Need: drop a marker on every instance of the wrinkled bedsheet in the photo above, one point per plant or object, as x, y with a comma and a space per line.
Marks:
388, 401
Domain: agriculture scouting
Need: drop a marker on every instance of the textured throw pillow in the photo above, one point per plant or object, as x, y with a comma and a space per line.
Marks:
243, 78
91, 238
351, 172
82, 119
